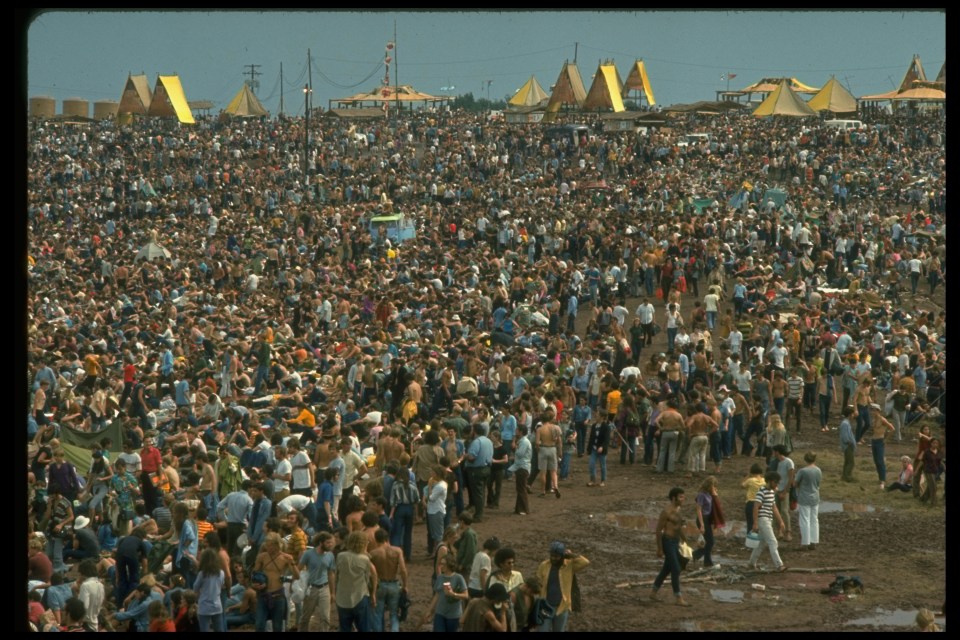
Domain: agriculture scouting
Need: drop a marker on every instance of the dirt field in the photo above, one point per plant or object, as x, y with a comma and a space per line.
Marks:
892, 542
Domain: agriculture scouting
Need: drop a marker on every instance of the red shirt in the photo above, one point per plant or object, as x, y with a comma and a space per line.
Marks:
129, 373
150, 459
162, 625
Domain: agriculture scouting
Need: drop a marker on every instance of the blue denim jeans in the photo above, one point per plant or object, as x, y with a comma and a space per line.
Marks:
358, 616
54, 551
212, 623
824, 409
388, 597
239, 619
401, 533
564, 471
273, 609
555, 623
595, 459
863, 420
877, 447
441, 624
671, 565
435, 526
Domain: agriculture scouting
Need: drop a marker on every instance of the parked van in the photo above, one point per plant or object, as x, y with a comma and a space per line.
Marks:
844, 124
694, 139
573, 133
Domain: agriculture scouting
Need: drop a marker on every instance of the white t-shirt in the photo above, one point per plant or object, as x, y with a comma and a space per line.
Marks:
645, 313
283, 468
626, 372
301, 477
711, 303
132, 460
481, 561
293, 502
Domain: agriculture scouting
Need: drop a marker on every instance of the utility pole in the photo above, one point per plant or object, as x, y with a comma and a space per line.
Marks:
396, 73
306, 129
310, 79
253, 82
281, 88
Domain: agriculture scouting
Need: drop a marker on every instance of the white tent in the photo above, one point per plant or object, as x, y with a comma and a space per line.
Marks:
151, 251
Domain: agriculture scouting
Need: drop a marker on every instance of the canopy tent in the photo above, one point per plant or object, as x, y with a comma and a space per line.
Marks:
914, 87
567, 91
783, 102
169, 101
768, 85
246, 105
388, 95
605, 91
833, 97
922, 93
151, 251
637, 80
136, 96
530, 94
709, 107
914, 73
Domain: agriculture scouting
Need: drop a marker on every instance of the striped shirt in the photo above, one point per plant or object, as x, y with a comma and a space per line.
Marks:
795, 388
766, 496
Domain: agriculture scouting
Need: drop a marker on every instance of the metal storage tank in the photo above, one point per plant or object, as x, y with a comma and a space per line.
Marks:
76, 107
43, 107
105, 109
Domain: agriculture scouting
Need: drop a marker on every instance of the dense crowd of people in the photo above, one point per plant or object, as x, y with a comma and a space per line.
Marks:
294, 387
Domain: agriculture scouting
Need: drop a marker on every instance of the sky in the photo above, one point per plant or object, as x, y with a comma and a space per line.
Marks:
490, 54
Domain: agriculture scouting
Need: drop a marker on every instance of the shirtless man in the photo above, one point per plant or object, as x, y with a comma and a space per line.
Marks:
326, 451
674, 376
549, 439
669, 423
505, 386
392, 579
699, 426
669, 534
389, 447
274, 564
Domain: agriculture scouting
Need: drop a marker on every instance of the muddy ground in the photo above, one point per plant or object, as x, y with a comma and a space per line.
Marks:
893, 543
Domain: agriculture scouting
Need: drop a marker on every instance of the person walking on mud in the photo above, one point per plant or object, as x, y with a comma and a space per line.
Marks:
669, 534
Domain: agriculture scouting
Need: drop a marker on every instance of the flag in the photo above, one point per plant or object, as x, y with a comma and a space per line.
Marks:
731, 76
723, 77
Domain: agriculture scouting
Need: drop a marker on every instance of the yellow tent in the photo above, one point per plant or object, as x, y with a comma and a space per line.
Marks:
783, 102
768, 85
169, 101
637, 80
605, 91
914, 73
136, 96
833, 97
529, 95
914, 85
567, 91
245, 104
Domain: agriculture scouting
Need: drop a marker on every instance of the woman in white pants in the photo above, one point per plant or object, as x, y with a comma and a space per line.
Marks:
807, 480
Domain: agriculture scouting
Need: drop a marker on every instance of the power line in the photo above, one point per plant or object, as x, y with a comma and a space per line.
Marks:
350, 86
739, 68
